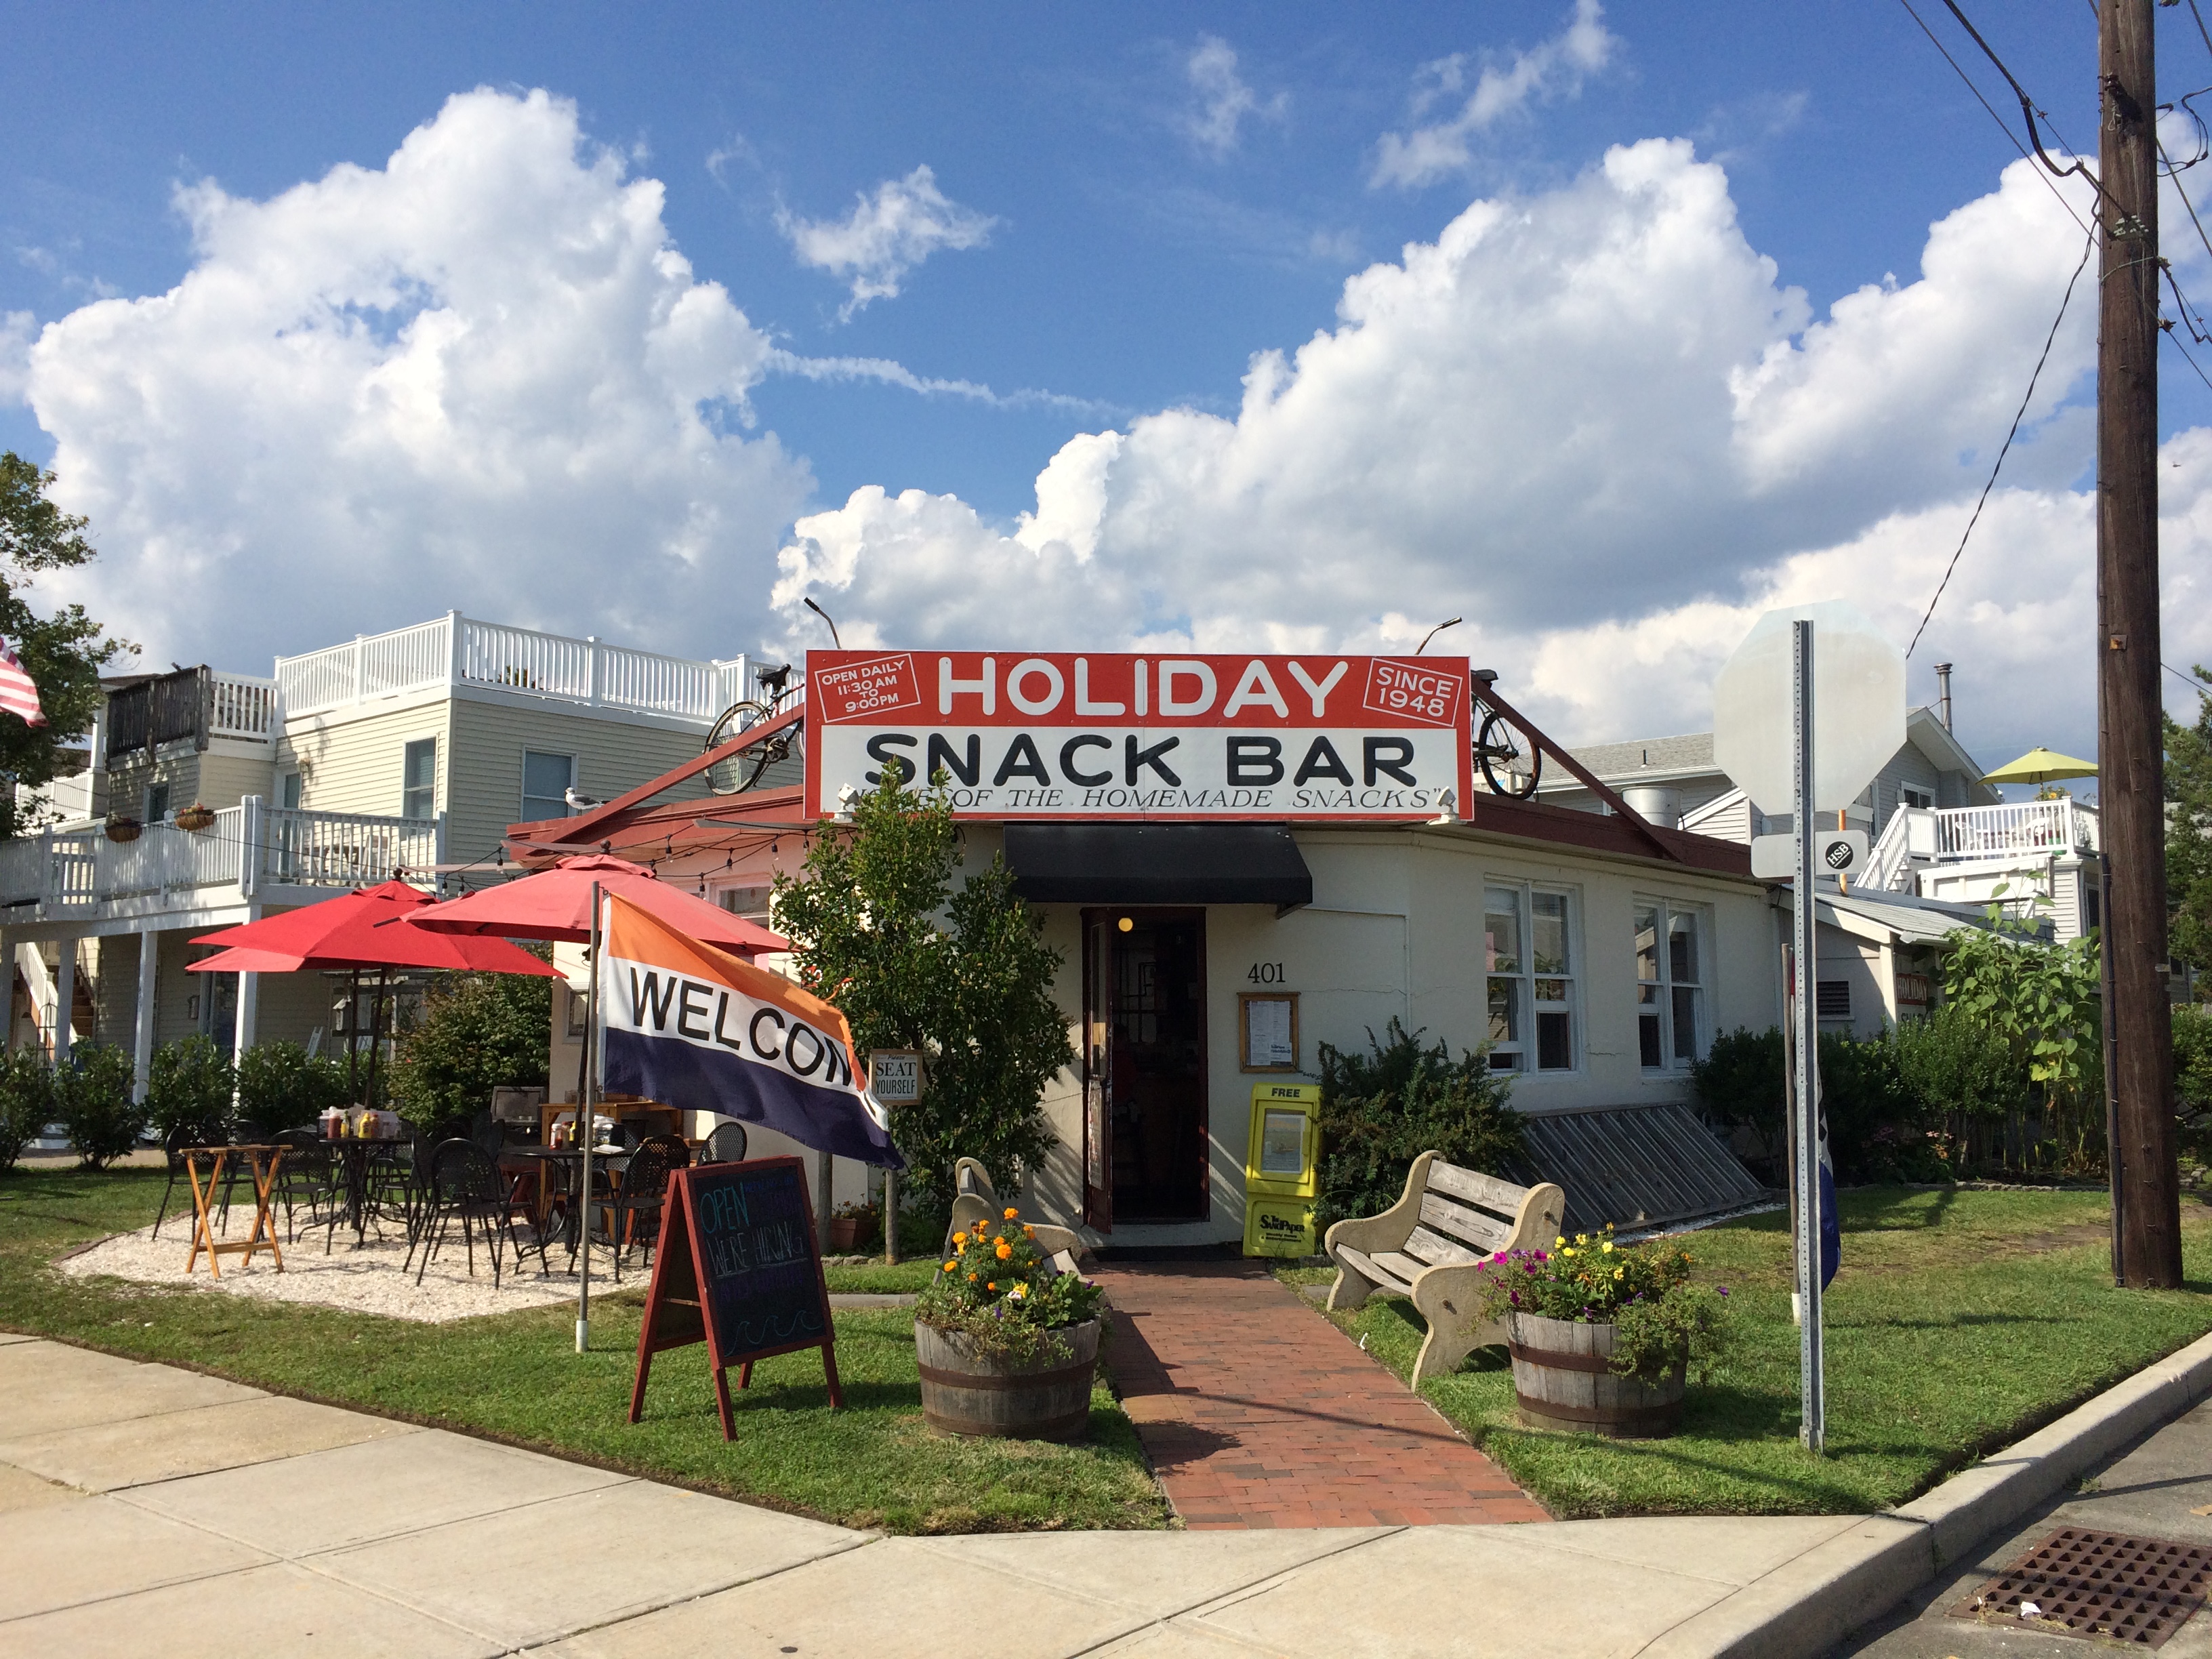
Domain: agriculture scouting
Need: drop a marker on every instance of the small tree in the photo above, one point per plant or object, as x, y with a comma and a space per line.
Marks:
965, 978
282, 1086
2188, 775
2044, 1002
63, 654
477, 1032
26, 1103
91, 1098
1382, 1110
191, 1083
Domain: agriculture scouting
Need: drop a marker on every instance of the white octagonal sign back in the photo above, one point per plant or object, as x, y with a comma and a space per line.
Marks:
1858, 706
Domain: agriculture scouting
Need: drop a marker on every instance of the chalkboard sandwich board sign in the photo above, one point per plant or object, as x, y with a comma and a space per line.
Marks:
737, 1269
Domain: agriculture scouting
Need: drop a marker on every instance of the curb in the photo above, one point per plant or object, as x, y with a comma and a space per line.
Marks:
1807, 1604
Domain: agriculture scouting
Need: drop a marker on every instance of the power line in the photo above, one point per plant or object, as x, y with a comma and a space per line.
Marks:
2088, 246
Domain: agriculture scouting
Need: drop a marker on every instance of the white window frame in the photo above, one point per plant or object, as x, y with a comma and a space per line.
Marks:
294, 784
406, 789
724, 896
565, 810
1521, 1055
1666, 985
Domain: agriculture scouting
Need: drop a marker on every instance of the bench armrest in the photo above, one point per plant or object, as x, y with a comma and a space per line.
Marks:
1375, 1235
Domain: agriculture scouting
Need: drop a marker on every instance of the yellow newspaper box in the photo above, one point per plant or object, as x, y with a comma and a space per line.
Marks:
1282, 1173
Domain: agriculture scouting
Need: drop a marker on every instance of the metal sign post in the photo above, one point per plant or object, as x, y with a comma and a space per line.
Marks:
894, 1080
1812, 1428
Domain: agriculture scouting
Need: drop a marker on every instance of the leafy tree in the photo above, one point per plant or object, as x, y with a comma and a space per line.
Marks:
190, 1083
1381, 1110
477, 1032
63, 654
26, 1103
964, 977
2189, 831
2046, 1002
91, 1098
282, 1086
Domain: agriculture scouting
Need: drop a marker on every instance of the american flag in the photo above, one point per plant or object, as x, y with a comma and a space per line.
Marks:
18, 693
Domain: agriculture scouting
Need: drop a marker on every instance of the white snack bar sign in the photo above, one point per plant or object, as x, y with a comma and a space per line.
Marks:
1060, 736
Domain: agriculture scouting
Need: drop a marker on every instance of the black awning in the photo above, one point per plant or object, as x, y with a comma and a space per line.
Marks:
1157, 864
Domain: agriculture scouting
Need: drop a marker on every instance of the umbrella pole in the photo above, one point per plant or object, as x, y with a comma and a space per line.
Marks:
587, 1101
353, 1037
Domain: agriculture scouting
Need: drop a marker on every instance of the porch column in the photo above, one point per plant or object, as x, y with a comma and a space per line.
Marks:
249, 997
141, 1037
65, 1002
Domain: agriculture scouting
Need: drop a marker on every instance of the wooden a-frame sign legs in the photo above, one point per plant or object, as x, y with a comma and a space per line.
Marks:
746, 1256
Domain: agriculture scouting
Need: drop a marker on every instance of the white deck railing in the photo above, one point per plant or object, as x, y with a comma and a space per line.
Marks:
244, 706
248, 848
2028, 826
455, 650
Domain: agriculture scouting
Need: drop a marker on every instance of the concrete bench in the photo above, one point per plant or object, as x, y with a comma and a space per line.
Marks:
1430, 1245
976, 1200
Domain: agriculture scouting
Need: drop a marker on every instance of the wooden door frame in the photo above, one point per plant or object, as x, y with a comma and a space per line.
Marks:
1104, 916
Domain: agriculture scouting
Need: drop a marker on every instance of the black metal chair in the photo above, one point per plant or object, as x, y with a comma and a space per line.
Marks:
306, 1179
463, 1182
644, 1188
173, 1149
726, 1145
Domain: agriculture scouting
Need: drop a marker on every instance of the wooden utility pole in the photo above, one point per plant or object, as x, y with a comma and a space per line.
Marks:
2146, 1183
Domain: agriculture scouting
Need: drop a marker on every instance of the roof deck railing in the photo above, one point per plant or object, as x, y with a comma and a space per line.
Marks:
1918, 835
456, 651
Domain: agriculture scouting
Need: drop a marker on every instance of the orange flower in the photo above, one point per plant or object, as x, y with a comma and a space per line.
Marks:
1012, 1212
993, 1285
1005, 1249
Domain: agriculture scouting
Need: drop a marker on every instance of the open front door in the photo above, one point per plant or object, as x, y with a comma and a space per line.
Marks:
1097, 1075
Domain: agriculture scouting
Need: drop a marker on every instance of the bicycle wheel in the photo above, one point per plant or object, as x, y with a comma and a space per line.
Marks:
731, 777
1511, 762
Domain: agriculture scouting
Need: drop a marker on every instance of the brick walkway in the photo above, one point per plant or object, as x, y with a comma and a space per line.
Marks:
1257, 1412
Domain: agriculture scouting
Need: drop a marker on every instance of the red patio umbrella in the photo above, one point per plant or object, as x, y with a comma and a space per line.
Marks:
370, 927
555, 903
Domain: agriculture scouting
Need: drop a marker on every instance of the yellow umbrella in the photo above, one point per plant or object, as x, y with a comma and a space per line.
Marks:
2041, 765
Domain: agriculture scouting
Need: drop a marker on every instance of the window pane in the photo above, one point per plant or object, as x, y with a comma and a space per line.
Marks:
1682, 949
1551, 990
1547, 932
1647, 1040
288, 793
1685, 1025
1554, 1046
546, 782
418, 794
1647, 942
1505, 1010
1501, 933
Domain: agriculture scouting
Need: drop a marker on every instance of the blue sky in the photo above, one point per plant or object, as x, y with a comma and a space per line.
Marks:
1128, 258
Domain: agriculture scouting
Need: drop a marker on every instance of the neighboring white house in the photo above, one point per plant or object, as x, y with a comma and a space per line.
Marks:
1944, 843
406, 753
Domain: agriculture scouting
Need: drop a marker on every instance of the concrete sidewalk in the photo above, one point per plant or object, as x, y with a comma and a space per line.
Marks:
145, 1509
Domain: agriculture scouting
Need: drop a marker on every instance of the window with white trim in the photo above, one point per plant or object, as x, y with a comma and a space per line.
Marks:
750, 902
1670, 985
1528, 971
546, 780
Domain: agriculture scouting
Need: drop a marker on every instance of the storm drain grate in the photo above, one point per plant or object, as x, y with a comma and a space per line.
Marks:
2078, 1582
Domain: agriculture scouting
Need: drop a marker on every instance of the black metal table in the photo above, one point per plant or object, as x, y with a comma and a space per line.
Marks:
357, 1158
568, 1162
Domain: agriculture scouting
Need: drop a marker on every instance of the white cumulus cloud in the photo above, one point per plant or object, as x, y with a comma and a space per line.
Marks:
1553, 68
1597, 423
480, 376
1224, 98
887, 232
15, 355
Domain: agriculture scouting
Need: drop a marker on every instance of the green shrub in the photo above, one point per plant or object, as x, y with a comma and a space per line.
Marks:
189, 1083
1380, 1110
1955, 1061
2192, 1078
282, 1086
92, 1099
477, 1033
1740, 1083
26, 1103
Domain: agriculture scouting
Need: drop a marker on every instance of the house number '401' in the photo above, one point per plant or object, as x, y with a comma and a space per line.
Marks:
1265, 973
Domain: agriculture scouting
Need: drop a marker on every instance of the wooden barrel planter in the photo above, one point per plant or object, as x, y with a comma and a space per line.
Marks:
968, 1394
1563, 1377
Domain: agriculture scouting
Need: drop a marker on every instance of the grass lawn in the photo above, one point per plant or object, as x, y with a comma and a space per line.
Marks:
1959, 1322
517, 1378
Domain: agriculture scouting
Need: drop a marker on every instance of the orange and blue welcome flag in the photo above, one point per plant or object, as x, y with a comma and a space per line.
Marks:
697, 1027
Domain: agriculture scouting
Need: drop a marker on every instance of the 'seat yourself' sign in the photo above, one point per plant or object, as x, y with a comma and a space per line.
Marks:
1059, 736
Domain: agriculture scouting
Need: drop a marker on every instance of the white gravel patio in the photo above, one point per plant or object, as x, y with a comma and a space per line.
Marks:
368, 1280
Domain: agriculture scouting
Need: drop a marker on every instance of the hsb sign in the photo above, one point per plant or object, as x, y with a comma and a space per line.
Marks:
1060, 736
